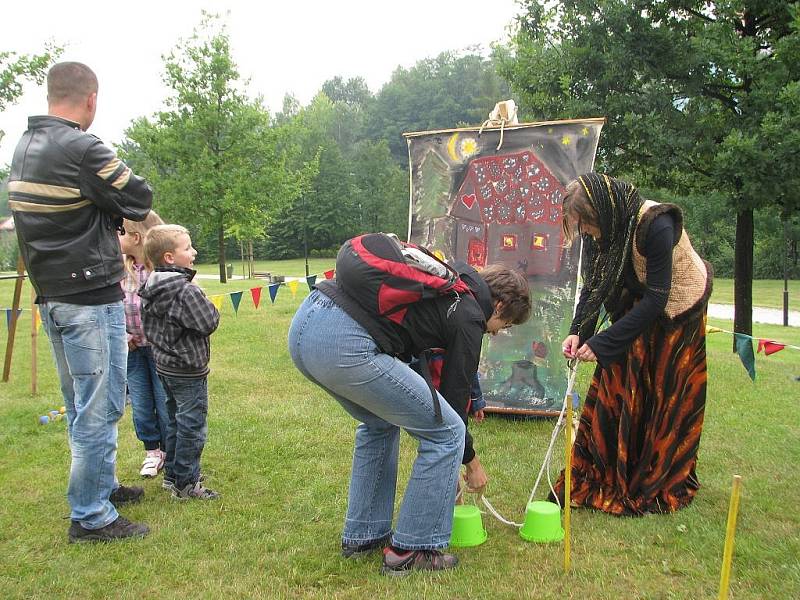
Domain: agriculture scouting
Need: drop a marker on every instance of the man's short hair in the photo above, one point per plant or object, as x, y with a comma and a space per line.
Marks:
160, 240
70, 82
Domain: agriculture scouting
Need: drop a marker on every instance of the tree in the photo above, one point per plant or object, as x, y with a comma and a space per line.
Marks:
691, 91
15, 69
215, 160
436, 93
381, 190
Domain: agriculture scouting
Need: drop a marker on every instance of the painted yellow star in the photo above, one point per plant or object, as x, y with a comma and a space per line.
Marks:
565, 140
585, 131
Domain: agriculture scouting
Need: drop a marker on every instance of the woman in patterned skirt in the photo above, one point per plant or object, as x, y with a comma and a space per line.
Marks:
636, 447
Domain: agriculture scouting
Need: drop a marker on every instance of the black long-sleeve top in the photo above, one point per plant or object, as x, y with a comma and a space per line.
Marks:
610, 344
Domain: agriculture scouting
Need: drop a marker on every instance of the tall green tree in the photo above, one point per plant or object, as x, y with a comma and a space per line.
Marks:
15, 70
692, 92
215, 160
436, 93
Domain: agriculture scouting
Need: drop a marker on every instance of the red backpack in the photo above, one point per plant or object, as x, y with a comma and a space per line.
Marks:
386, 275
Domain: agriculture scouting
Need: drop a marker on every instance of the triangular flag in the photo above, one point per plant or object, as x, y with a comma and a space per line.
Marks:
711, 329
273, 291
236, 298
744, 348
329, 274
8, 315
216, 301
256, 294
293, 286
770, 347
311, 280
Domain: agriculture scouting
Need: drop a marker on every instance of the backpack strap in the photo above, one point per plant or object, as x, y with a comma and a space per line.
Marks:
425, 371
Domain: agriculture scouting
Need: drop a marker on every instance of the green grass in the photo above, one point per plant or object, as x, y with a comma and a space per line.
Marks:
279, 451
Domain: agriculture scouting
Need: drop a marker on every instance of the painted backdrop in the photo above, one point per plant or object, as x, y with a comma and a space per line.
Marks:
473, 202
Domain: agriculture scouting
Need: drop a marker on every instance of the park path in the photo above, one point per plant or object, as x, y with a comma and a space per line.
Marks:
773, 316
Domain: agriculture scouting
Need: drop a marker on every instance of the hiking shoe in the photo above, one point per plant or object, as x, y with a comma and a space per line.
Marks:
117, 530
169, 482
355, 550
194, 491
126, 495
401, 564
153, 463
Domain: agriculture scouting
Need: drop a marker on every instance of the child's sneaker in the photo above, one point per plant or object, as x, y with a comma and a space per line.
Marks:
153, 463
194, 491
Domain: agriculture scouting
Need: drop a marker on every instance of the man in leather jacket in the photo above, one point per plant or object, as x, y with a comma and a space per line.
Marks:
68, 193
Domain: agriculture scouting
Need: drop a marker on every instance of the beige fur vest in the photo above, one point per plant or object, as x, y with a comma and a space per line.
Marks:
691, 275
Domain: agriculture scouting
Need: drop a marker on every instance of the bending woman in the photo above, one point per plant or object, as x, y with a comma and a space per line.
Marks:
636, 447
332, 341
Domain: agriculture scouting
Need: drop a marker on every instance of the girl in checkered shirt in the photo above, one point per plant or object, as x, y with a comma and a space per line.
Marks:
148, 399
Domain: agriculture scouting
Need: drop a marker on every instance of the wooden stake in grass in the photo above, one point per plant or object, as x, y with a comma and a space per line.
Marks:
12, 323
727, 555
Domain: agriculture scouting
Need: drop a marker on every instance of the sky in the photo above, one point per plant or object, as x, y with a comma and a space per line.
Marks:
283, 47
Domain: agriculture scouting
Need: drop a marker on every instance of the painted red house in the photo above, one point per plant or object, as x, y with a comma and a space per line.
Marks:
508, 211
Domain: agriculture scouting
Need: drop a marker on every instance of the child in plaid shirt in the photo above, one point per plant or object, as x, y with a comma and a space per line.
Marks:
178, 320
148, 399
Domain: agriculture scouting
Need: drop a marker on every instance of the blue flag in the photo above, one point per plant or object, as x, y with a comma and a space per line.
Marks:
744, 348
236, 297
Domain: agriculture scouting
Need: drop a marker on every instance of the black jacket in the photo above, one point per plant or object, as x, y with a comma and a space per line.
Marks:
426, 325
68, 193
177, 319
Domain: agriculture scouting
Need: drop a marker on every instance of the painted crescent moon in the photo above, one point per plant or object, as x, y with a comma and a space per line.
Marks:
451, 147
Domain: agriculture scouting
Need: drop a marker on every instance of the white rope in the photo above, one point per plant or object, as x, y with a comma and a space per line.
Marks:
560, 424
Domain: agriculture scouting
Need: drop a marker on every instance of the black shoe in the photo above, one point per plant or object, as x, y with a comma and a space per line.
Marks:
354, 550
118, 530
126, 495
401, 564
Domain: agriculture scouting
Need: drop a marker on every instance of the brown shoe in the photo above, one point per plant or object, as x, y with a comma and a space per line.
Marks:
116, 530
401, 564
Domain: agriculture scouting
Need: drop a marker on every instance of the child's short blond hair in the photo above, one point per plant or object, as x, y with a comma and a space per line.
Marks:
160, 240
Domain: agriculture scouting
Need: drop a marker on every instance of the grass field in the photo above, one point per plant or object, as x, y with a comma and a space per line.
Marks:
279, 451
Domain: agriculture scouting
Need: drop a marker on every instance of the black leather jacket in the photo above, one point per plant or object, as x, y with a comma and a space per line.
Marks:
68, 193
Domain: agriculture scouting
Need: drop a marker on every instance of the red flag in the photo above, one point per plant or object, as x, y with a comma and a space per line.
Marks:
256, 294
770, 347
329, 274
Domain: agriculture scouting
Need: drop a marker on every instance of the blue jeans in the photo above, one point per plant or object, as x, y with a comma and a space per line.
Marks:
90, 351
148, 399
384, 394
187, 407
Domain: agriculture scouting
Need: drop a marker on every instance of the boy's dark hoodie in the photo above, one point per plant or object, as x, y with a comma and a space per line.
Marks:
177, 319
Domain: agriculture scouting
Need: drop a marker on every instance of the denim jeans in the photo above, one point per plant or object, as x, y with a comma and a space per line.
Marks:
187, 407
148, 399
90, 351
384, 394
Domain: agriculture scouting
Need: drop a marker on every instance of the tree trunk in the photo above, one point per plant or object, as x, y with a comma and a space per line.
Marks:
743, 275
223, 276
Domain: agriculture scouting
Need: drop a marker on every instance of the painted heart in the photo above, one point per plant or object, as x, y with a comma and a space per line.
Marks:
468, 200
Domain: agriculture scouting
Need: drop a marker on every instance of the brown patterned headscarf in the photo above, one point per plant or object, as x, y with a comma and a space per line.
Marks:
617, 205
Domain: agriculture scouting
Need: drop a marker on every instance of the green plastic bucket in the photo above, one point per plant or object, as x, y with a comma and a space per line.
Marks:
467, 527
542, 523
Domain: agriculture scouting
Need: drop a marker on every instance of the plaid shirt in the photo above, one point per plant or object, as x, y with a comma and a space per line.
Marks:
133, 303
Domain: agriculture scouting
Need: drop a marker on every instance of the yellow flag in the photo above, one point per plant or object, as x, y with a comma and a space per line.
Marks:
711, 329
37, 319
292, 286
216, 301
